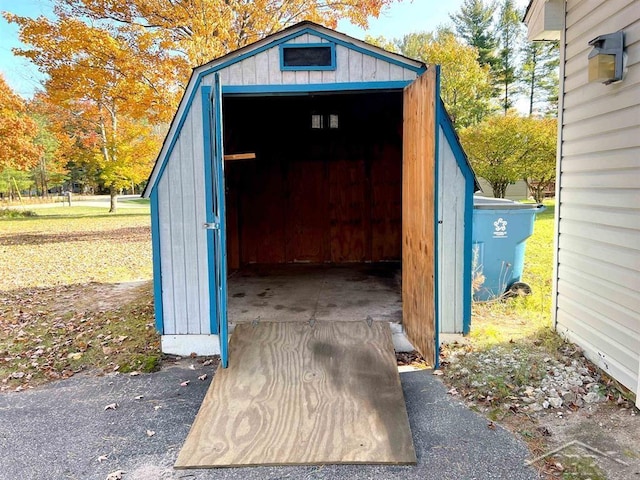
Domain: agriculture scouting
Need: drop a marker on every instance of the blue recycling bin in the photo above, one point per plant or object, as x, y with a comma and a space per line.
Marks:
500, 231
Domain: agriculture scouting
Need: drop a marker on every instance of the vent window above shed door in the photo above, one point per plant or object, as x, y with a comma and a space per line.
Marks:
308, 56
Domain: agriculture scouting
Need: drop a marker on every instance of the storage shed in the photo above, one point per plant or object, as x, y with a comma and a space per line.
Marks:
311, 147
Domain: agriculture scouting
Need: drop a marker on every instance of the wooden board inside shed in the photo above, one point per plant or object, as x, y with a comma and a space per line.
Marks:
418, 214
299, 394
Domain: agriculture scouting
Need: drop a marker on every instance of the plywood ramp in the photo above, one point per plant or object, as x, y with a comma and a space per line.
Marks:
300, 394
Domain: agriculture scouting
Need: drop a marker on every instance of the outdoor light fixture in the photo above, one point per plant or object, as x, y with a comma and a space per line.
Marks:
605, 60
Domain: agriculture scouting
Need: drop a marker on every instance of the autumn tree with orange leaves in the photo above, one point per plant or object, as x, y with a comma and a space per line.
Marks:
123, 64
18, 149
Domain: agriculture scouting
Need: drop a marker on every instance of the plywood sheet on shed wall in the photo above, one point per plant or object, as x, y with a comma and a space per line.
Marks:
386, 203
347, 209
314, 196
305, 226
418, 214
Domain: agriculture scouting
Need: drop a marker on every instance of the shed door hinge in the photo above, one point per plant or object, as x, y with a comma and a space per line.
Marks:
211, 226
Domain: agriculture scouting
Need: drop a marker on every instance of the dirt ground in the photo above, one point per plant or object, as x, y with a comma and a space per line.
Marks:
606, 427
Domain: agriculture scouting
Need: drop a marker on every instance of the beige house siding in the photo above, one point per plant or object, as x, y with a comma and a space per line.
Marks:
598, 256
515, 191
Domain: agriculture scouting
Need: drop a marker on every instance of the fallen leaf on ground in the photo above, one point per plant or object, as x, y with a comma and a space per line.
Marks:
107, 350
117, 475
157, 407
111, 406
206, 363
437, 372
102, 458
192, 367
150, 433
134, 373
202, 377
74, 356
138, 397
491, 426
185, 383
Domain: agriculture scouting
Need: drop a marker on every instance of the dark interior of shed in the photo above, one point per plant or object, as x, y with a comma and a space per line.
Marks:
325, 185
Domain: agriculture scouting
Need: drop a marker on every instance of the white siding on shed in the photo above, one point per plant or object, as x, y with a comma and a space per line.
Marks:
598, 271
183, 244
351, 67
451, 228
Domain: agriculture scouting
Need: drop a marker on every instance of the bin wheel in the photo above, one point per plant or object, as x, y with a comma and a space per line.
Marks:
519, 289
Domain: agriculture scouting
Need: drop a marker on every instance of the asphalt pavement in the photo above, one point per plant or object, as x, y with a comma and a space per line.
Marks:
62, 431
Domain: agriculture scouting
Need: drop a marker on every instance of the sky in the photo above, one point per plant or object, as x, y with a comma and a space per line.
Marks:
401, 18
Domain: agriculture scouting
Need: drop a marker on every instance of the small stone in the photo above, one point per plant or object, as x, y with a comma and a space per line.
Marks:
569, 397
591, 397
555, 402
536, 407
545, 404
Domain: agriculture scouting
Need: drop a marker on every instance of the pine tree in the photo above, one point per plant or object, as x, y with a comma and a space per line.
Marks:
539, 77
510, 35
474, 24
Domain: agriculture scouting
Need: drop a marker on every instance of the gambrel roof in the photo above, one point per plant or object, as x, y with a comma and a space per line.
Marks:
257, 69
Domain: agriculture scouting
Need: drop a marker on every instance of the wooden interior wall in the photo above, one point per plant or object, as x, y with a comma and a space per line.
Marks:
418, 210
316, 196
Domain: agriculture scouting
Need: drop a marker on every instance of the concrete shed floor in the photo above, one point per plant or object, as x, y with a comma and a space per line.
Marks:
291, 293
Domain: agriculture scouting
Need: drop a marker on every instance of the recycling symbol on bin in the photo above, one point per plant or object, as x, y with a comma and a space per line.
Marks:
500, 227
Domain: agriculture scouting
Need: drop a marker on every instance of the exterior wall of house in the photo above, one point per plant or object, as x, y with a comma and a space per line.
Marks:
598, 197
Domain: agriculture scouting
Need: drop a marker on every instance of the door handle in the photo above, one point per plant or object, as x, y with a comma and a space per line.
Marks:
211, 226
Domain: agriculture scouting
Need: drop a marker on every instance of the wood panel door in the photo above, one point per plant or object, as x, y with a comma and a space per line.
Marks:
418, 214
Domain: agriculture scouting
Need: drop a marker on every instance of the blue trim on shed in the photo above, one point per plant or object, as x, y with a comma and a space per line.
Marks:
436, 223
470, 181
205, 93
157, 266
256, 90
297, 68
222, 228
175, 137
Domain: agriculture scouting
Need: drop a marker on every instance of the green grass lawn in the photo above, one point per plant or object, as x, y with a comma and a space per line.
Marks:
62, 306
137, 201
74, 245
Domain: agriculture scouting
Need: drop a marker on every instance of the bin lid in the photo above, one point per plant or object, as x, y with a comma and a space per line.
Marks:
491, 203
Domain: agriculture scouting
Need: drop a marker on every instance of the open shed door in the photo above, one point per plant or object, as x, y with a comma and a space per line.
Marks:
418, 214
216, 218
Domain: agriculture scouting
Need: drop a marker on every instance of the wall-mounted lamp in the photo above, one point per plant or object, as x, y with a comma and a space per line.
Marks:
605, 60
